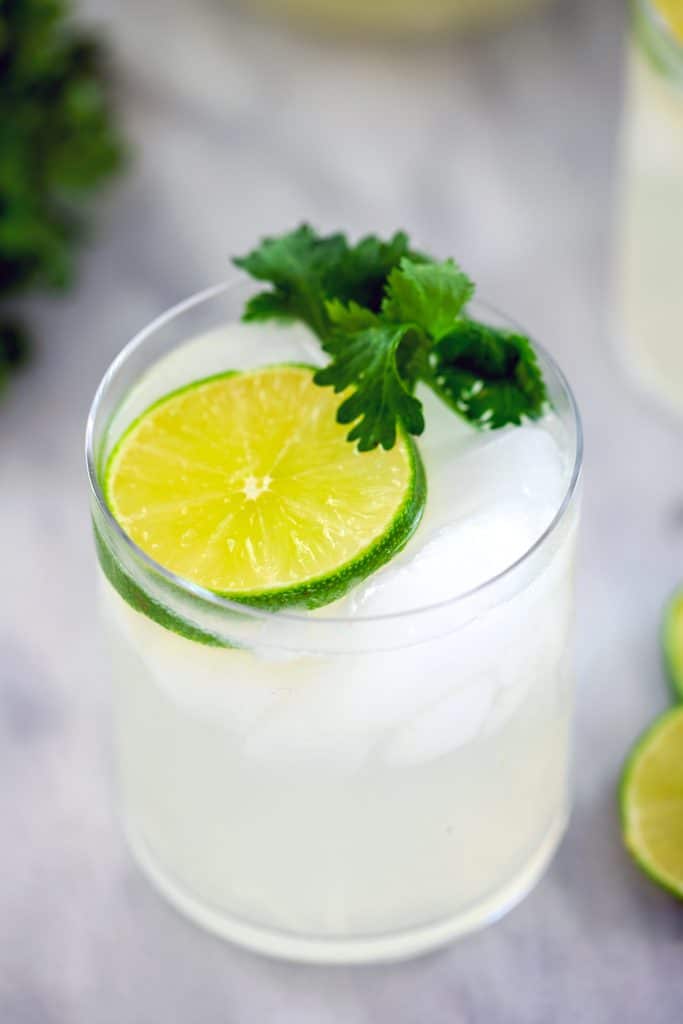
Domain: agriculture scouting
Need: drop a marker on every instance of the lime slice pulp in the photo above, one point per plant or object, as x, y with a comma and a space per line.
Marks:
652, 801
245, 484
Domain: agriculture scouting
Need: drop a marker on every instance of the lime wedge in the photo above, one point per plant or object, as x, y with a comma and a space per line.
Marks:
652, 801
245, 484
672, 637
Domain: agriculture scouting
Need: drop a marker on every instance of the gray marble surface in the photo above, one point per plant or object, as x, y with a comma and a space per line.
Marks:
499, 149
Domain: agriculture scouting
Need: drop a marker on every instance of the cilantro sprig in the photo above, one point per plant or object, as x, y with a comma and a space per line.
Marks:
389, 318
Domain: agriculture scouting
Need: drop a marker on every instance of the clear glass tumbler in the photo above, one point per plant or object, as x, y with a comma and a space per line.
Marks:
650, 217
331, 788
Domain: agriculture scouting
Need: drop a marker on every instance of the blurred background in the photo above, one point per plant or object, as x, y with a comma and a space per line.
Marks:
130, 173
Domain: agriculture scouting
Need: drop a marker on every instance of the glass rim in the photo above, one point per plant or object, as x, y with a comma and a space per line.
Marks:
216, 601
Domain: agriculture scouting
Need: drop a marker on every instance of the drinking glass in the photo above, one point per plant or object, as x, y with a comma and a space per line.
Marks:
325, 786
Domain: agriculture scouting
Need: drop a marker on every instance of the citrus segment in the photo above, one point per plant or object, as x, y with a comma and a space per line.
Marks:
246, 485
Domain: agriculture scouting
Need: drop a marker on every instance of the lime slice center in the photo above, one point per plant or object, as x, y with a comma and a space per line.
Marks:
253, 486
245, 484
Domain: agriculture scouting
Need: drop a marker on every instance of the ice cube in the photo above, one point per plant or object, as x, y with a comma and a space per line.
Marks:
450, 723
490, 467
490, 497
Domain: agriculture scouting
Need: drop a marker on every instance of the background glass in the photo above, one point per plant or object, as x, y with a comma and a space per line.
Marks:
650, 239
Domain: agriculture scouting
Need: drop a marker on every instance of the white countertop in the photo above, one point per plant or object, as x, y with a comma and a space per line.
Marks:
499, 150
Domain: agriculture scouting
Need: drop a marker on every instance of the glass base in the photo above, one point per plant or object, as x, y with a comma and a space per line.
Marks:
367, 949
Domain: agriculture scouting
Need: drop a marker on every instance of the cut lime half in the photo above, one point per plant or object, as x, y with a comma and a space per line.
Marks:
652, 801
245, 484
672, 642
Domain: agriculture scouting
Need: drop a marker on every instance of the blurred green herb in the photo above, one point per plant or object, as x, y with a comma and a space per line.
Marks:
57, 143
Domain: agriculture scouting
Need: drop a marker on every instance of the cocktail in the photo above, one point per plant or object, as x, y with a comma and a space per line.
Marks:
650, 239
342, 668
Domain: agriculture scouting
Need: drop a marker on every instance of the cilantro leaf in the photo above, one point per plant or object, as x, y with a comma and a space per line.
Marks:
490, 376
390, 317
297, 265
349, 319
269, 306
363, 271
366, 359
306, 269
430, 295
